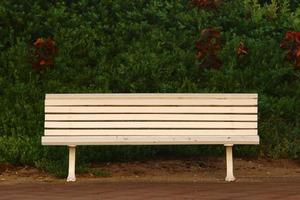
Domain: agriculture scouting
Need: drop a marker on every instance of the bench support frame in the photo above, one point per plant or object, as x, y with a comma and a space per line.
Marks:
71, 174
229, 163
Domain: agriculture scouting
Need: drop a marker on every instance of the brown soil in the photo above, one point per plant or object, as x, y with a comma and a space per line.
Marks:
204, 170
159, 179
208, 169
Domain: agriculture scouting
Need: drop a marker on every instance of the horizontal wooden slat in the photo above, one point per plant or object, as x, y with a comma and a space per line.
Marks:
149, 124
150, 109
147, 132
149, 140
137, 102
163, 117
153, 95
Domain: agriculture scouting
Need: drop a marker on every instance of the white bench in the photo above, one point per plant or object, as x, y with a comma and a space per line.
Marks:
150, 119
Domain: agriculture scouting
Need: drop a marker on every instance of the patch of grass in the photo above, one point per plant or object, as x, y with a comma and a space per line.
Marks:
59, 168
56, 168
100, 173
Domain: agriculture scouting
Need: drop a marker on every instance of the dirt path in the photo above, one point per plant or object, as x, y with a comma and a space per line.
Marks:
141, 190
159, 179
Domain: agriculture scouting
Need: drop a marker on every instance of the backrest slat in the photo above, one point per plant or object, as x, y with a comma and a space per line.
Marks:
150, 124
153, 96
150, 117
151, 102
151, 109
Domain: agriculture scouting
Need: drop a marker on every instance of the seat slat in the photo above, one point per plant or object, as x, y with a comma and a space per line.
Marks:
149, 140
137, 102
149, 124
147, 132
162, 117
148, 109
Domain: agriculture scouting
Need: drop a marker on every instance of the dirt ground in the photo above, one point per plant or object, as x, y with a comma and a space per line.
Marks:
159, 179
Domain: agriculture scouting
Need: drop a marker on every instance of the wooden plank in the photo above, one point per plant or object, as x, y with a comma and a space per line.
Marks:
150, 109
152, 95
162, 117
145, 132
138, 102
149, 140
149, 124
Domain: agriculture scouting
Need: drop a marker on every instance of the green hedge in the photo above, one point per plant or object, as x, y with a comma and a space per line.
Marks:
144, 46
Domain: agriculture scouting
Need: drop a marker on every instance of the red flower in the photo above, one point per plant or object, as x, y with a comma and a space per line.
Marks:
297, 52
44, 51
42, 62
291, 43
208, 47
205, 4
39, 42
241, 50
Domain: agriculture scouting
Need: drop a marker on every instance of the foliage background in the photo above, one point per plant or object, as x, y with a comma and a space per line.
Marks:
144, 46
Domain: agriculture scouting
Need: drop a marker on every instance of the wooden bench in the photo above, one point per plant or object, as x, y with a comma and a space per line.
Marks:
150, 119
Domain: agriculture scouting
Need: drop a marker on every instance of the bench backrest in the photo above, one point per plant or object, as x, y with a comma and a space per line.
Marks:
150, 114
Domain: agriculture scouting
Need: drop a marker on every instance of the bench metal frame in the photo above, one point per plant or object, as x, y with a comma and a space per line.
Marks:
150, 119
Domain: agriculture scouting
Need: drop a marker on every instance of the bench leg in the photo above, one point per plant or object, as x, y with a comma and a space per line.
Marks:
71, 175
229, 164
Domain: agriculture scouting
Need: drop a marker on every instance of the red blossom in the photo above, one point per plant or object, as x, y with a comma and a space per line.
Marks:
208, 47
39, 42
205, 4
241, 50
44, 51
291, 43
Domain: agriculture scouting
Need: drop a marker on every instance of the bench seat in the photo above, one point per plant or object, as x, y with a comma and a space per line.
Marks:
150, 119
150, 140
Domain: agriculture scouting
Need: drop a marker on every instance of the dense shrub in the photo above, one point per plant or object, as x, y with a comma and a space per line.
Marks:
144, 46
